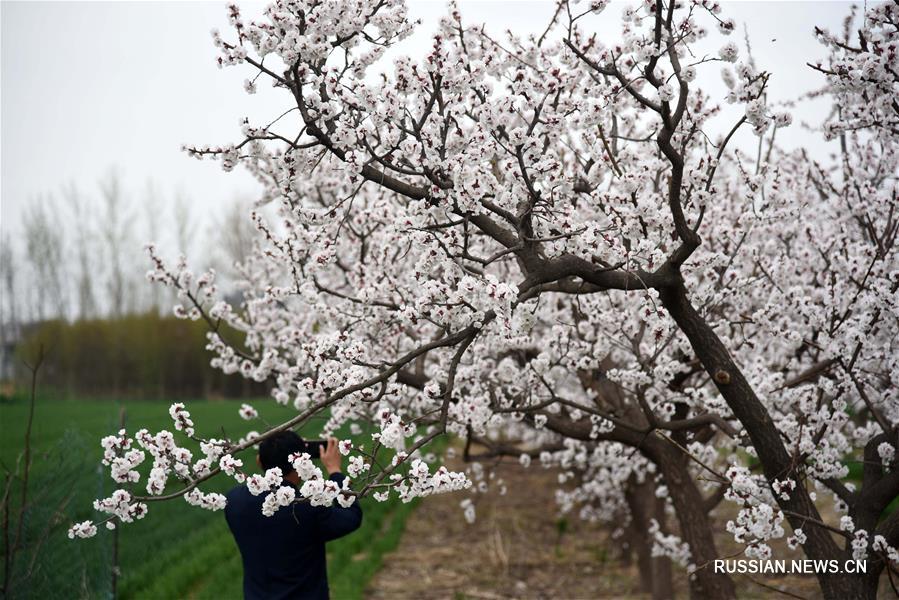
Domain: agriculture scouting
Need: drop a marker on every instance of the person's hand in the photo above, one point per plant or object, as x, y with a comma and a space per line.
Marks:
331, 458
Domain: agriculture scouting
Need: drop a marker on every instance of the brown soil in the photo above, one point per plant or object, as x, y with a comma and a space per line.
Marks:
515, 549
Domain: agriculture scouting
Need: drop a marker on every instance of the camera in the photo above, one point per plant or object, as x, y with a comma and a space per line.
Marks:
314, 447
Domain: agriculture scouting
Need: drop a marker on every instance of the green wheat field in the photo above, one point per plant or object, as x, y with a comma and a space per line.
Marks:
177, 551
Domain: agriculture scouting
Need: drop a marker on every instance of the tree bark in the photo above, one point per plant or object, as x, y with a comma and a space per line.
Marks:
655, 572
766, 440
695, 526
689, 504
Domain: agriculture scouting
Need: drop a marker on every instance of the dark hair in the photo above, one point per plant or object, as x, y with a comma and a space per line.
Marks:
274, 451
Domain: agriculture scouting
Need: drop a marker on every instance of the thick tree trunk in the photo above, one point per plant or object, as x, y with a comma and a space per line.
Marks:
655, 572
662, 578
766, 440
693, 519
688, 502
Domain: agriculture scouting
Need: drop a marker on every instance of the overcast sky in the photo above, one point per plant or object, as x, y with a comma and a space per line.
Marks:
88, 87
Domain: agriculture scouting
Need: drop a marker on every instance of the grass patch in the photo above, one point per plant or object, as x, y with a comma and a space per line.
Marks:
177, 551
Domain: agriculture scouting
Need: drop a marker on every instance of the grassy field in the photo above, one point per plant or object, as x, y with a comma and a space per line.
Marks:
177, 551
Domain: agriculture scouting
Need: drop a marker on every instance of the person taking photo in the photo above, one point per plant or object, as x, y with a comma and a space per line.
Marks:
284, 555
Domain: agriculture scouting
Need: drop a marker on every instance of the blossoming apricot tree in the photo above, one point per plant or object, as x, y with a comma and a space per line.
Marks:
534, 245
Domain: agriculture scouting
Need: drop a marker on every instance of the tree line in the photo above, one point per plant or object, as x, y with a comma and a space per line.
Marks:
72, 280
144, 355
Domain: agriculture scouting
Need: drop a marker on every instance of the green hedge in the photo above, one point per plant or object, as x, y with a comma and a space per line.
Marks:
136, 356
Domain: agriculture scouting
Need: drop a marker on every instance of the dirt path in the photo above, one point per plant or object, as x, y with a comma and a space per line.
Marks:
513, 550
517, 549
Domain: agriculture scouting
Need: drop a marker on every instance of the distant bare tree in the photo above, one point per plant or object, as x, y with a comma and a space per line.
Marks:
153, 207
233, 237
115, 232
44, 247
185, 226
84, 251
8, 299
81, 251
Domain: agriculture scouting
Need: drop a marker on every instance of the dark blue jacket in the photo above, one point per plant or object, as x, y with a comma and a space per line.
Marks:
284, 555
